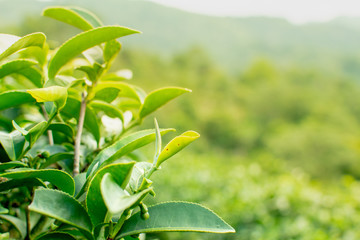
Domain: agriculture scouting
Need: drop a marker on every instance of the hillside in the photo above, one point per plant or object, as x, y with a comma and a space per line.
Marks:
233, 42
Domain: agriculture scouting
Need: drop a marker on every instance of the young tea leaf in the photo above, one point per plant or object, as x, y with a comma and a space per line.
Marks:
158, 98
176, 145
50, 94
15, 66
76, 17
84, 41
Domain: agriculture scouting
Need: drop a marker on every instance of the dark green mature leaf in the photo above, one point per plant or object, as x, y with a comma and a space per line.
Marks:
94, 203
176, 145
12, 164
10, 44
59, 178
158, 98
62, 207
13, 143
122, 147
57, 157
19, 224
55, 94
63, 128
76, 17
83, 41
116, 198
72, 109
176, 216
107, 108
17, 97
23, 182
15, 66
123, 90
55, 236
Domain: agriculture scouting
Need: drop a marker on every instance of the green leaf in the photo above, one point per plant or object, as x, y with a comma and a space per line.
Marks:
59, 178
19, 224
13, 143
111, 49
158, 98
55, 94
117, 199
107, 108
76, 17
57, 157
138, 176
123, 147
17, 97
10, 44
12, 164
176, 145
94, 203
23, 182
15, 66
158, 143
63, 128
176, 216
35, 132
3, 210
34, 75
83, 41
55, 236
62, 207
72, 109
122, 90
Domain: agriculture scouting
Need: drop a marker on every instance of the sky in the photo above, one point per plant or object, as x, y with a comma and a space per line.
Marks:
296, 11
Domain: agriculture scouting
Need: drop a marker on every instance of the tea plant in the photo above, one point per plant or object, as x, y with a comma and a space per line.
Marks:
63, 174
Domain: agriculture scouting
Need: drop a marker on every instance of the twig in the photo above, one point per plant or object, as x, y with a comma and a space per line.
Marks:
49, 132
76, 170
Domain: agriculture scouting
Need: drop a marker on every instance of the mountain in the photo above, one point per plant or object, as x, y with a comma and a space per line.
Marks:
232, 42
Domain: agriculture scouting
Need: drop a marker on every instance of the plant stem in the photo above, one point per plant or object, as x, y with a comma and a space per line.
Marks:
119, 224
49, 132
78, 135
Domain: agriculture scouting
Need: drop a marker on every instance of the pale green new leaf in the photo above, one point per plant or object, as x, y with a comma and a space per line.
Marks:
3, 210
176, 145
175, 216
84, 41
107, 108
123, 147
94, 203
55, 94
117, 199
60, 179
10, 44
19, 224
34, 75
17, 97
76, 17
111, 49
62, 207
122, 90
15, 66
158, 98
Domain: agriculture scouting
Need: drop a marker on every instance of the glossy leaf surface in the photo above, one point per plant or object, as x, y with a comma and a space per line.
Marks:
76, 17
17, 97
50, 94
176, 145
57, 204
176, 216
83, 41
94, 202
59, 178
15, 66
117, 199
13, 143
160, 97
10, 44
124, 146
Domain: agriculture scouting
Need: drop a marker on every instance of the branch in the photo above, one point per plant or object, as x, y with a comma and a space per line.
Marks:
76, 170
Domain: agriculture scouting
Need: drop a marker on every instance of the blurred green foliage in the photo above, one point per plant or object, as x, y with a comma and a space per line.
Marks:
280, 146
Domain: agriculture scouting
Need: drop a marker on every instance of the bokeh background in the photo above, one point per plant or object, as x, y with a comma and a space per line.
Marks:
277, 104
